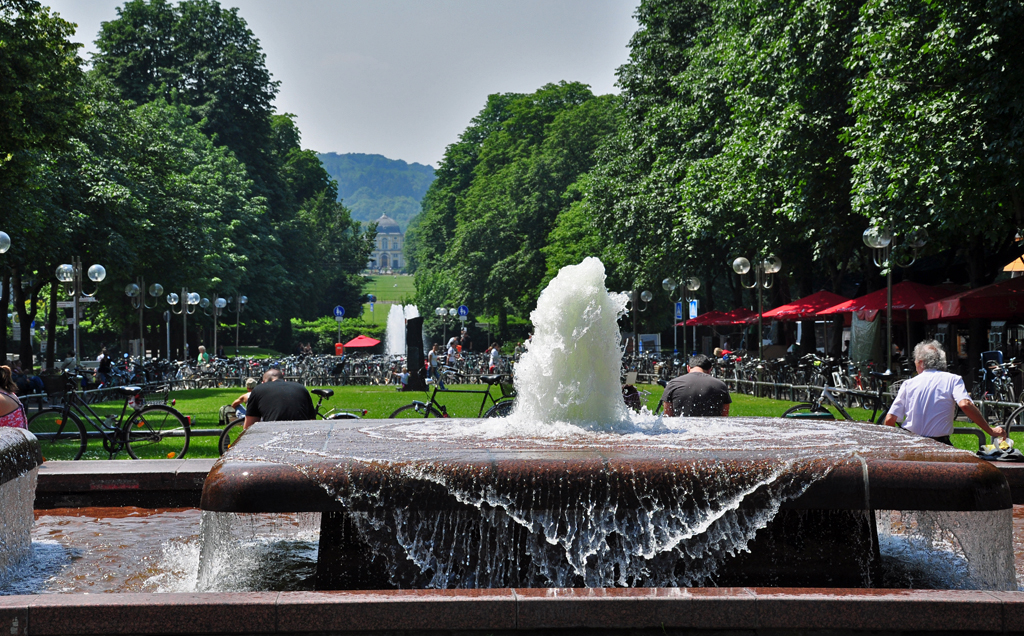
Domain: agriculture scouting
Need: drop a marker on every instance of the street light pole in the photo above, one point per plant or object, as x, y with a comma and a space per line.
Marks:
240, 302
880, 240
71, 276
763, 272
135, 291
689, 284
188, 299
218, 306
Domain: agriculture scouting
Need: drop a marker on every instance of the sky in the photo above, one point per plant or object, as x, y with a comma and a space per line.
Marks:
403, 78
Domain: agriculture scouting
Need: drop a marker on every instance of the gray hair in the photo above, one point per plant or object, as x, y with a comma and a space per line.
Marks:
931, 355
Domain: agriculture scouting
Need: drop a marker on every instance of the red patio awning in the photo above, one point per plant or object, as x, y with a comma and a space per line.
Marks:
703, 319
906, 296
738, 316
807, 308
362, 341
999, 301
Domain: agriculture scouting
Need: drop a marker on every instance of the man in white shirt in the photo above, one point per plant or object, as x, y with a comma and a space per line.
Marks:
927, 402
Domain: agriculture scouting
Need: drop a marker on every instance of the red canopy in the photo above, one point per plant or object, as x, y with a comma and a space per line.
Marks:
906, 296
807, 308
999, 301
362, 341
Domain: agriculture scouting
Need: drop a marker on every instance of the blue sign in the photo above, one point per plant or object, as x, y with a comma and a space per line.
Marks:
339, 312
693, 307
463, 311
679, 311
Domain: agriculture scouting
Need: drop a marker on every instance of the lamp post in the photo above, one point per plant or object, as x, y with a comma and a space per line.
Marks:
71, 276
443, 313
240, 302
646, 297
218, 306
188, 300
690, 284
134, 292
880, 240
763, 273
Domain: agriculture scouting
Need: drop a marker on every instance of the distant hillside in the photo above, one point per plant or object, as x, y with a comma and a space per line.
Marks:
371, 185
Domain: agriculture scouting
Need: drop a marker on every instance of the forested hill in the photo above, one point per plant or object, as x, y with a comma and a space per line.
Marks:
371, 185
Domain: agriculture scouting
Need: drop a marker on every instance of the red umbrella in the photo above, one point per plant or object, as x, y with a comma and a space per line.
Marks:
362, 341
998, 301
906, 296
807, 308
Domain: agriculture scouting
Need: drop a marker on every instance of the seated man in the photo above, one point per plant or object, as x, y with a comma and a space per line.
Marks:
696, 393
927, 402
276, 400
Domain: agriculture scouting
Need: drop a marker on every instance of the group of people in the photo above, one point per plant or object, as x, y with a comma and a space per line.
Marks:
925, 404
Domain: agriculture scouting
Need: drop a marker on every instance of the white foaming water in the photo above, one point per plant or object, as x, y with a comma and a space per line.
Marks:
411, 311
394, 337
570, 372
16, 499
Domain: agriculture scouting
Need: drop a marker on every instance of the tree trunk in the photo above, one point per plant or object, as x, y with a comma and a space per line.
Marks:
25, 318
502, 323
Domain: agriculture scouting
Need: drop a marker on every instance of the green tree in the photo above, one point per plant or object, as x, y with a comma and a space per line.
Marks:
39, 86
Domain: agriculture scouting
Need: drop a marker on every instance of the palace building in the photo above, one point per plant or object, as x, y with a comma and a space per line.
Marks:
387, 254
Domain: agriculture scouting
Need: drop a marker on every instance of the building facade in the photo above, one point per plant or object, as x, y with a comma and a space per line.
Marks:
387, 253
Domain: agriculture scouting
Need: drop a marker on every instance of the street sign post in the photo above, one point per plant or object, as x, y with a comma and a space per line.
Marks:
339, 315
679, 311
463, 313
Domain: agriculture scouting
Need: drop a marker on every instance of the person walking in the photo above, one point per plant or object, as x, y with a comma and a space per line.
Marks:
434, 365
697, 393
927, 402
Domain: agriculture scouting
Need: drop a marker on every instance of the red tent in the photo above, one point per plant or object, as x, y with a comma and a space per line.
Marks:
806, 308
906, 296
999, 301
362, 341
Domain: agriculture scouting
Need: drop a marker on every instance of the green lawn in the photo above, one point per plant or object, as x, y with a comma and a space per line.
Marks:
203, 405
394, 288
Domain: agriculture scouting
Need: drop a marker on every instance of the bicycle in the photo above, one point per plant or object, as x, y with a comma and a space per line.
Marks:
818, 409
501, 406
236, 427
148, 431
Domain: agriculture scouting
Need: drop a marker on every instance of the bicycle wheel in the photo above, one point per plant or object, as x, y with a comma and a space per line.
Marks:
416, 410
230, 434
809, 411
157, 432
501, 409
1015, 420
59, 437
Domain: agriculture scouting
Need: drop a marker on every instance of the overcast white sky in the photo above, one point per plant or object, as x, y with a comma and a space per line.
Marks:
402, 78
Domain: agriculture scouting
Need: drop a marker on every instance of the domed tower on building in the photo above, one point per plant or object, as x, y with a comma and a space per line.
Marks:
387, 254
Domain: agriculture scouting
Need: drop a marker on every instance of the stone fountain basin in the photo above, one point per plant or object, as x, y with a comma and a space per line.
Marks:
305, 466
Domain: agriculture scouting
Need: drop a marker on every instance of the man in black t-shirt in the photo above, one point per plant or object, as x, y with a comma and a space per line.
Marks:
696, 393
276, 400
